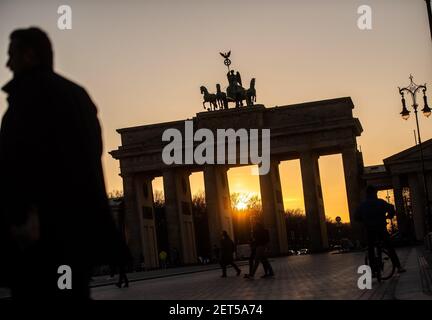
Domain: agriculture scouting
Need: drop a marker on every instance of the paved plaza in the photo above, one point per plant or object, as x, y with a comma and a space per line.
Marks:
320, 276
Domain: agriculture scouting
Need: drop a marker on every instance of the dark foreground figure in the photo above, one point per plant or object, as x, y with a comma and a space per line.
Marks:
53, 205
122, 277
227, 250
259, 243
373, 213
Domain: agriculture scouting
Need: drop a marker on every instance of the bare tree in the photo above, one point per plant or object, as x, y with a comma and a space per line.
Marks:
158, 199
115, 194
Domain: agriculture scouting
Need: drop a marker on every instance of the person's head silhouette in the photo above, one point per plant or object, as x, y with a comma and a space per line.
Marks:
29, 49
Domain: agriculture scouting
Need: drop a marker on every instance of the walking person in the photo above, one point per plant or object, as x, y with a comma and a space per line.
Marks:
122, 259
174, 258
227, 250
122, 277
125, 259
261, 238
163, 259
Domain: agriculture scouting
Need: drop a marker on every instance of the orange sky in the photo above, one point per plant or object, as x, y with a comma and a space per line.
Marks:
144, 61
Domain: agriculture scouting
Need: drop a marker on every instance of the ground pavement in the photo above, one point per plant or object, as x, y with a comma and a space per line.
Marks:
319, 276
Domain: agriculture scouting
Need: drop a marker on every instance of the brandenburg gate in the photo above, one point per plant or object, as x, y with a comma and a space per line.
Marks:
302, 131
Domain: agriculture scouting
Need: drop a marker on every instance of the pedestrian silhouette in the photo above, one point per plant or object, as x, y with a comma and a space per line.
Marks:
53, 205
163, 259
123, 259
261, 239
227, 250
122, 277
175, 257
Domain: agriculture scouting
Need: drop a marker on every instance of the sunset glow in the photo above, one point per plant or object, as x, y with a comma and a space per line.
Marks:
136, 78
243, 201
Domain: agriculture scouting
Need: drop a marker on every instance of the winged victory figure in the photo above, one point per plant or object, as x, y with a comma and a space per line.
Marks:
225, 55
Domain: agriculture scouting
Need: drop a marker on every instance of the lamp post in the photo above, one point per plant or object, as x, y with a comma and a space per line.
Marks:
412, 89
338, 229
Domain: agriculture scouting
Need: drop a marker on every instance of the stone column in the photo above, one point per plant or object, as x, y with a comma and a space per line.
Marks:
144, 191
313, 200
217, 202
178, 206
417, 203
353, 187
133, 231
273, 209
399, 204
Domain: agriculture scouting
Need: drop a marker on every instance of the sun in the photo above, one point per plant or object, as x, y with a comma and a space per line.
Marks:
241, 204
242, 201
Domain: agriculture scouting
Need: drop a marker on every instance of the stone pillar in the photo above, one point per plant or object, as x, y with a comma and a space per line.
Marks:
353, 187
144, 192
217, 202
417, 203
273, 209
399, 204
313, 200
132, 220
178, 206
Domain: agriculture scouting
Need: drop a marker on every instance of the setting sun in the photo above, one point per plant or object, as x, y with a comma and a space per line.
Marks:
242, 201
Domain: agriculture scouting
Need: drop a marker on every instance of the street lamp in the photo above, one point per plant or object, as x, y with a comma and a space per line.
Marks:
412, 89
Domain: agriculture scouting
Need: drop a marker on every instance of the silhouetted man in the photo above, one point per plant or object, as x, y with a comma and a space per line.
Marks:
261, 239
373, 213
226, 254
53, 206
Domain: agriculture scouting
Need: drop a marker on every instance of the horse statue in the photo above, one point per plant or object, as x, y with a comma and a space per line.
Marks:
251, 92
221, 98
208, 97
236, 93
